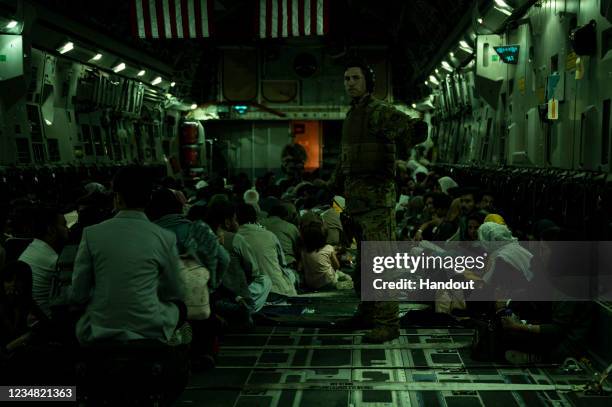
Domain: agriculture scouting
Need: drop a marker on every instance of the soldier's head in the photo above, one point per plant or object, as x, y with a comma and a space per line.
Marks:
358, 79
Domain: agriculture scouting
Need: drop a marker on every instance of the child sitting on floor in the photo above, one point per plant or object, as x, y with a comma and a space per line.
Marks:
319, 262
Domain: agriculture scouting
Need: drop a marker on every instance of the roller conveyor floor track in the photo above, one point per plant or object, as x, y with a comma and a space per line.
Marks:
293, 366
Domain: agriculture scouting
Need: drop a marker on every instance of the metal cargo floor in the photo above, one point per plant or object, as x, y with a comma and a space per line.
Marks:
293, 366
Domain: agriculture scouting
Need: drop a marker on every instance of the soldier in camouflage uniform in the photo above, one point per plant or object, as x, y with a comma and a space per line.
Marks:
374, 135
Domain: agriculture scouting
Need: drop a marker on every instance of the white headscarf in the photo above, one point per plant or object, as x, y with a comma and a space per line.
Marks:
512, 252
447, 183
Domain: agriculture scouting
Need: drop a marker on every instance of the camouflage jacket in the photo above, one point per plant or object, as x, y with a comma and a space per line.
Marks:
385, 123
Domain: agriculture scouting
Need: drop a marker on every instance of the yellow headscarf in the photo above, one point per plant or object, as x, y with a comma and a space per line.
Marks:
495, 218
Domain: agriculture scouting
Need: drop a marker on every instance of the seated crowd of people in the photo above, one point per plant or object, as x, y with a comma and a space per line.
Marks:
153, 260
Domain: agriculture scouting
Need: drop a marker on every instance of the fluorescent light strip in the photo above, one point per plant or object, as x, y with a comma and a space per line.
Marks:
69, 46
119, 68
503, 10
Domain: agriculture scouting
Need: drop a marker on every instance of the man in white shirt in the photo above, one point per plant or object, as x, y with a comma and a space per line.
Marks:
287, 233
50, 233
268, 251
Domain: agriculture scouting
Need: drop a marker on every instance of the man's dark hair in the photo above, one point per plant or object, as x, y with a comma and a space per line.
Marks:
246, 213
164, 202
134, 185
420, 177
441, 200
477, 215
420, 191
21, 273
94, 208
481, 194
219, 212
314, 236
368, 72
42, 219
279, 210
458, 192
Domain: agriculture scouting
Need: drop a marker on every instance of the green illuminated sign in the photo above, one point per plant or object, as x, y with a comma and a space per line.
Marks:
2, 58
508, 53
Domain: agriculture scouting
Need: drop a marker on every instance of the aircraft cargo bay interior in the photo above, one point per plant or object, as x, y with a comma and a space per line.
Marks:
306, 203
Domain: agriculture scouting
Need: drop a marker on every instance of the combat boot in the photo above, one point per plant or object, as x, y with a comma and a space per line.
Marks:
381, 334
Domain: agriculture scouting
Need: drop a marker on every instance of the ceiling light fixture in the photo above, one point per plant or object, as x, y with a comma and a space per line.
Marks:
465, 46
172, 84
142, 72
119, 68
503, 4
97, 57
69, 46
503, 10
12, 24
156, 80
194, 106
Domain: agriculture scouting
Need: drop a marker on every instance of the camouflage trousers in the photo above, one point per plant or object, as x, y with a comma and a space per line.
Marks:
375, 225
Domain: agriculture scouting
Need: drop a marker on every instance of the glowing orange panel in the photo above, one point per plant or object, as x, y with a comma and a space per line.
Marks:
308, 134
